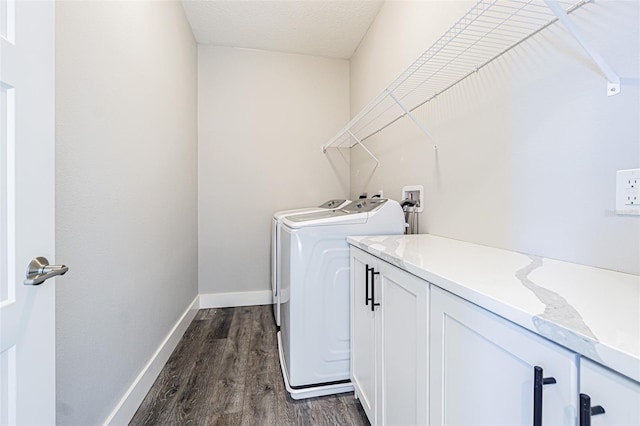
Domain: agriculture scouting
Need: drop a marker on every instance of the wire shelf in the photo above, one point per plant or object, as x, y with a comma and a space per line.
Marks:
488, 30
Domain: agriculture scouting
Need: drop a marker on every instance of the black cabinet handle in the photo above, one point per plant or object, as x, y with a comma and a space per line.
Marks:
373, 282
538, 382
586, 410
366, 285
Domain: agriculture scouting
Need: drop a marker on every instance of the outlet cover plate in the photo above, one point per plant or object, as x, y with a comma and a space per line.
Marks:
628, 192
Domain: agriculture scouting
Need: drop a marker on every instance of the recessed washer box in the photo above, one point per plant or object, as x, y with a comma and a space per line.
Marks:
414, 192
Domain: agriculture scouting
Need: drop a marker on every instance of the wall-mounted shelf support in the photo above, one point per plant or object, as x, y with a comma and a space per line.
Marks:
364, 147
414, 119
613, 86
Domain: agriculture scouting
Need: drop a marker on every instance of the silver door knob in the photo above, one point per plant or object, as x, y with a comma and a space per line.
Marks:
39, 270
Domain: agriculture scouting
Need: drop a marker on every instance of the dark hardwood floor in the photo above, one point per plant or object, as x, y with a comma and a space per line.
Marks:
225, 371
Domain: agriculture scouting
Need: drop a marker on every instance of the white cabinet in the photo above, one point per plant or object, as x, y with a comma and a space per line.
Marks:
604, 390
482, 370
389, 341
422, 355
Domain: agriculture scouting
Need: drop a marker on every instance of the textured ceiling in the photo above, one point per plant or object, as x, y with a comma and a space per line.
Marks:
311, 27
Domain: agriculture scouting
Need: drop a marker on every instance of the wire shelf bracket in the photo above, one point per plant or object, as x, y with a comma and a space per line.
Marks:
358, 142
613, 86
414, 119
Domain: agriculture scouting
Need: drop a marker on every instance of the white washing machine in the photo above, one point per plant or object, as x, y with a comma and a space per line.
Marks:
275, 245
314, 329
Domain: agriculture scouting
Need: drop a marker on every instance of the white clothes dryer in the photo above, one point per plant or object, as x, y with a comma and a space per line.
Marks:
275, 245
314, 325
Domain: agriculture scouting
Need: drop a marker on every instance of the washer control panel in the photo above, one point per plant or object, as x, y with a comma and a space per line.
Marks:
332, 204
364, 205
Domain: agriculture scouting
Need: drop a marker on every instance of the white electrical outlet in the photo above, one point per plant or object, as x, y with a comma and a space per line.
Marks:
628, 192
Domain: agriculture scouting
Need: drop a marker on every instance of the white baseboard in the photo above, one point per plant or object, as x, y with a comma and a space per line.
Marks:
128, 405
228, 300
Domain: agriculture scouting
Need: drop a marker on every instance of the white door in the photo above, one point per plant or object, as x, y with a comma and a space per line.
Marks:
403, 368
618, 396
482, 370
27, 314
363, 339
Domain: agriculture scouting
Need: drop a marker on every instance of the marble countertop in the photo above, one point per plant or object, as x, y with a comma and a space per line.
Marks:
594, 312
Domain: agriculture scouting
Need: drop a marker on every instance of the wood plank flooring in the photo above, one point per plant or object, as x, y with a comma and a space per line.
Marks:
226, 371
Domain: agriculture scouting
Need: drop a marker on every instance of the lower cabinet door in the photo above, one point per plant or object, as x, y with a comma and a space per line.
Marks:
363, 339
389, 342
403, 370
617, 397
482, 370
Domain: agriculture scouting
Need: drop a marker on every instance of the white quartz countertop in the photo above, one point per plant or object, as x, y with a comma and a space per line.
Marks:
594, 312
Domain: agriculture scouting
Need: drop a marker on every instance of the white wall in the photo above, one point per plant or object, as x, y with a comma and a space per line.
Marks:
126, 194
528, 147
262, 119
